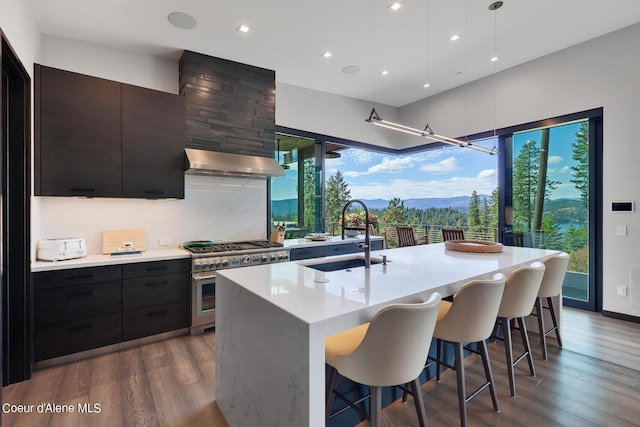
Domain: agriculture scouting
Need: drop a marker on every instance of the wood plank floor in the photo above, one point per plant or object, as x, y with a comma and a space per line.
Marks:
171, 384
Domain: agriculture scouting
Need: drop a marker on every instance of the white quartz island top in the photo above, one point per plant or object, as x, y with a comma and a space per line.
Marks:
271, 322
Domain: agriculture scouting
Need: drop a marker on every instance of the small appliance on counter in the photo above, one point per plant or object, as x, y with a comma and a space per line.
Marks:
61, 249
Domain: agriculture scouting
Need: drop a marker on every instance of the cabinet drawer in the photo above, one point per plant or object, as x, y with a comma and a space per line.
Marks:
76, 276
74, 302
62, 338
377, 245
144, 269
153, 290
306, 253
345, 248
147, 321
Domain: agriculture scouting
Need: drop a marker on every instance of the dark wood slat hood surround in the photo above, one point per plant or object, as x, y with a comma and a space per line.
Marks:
230, 107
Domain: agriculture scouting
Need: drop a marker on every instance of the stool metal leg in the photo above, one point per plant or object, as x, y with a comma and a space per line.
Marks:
333, 376
541, 331
375, 406
419, 402
508, 349
527, 347
487, 370
462, 390
555, 321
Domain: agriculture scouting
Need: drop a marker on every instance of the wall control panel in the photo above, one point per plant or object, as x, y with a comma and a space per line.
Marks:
622, 206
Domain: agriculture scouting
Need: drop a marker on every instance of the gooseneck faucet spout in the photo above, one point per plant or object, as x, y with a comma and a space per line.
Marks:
367, 238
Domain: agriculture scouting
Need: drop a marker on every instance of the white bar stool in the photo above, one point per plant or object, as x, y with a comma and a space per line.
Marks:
389, 351
555, 270
520, 292
470, 318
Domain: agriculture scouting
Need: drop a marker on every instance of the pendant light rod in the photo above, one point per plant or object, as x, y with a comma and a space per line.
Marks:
375, 119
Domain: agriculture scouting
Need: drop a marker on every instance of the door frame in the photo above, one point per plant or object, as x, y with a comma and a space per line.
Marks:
16, 216
595, 118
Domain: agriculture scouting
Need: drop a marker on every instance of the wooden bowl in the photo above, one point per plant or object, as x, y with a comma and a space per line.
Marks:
474, 246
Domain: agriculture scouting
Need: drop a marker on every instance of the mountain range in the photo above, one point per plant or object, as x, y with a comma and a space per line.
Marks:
461, 203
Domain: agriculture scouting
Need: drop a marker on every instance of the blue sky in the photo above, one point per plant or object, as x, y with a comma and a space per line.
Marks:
444, 172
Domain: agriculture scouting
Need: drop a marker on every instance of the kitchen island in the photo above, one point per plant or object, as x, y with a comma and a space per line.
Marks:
272, 321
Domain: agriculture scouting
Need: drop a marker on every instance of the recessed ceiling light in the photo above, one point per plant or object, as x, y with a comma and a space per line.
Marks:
454, 37
351, 69
426, 85
495, 58
243, 28
395, 5
384, 72
327, 54
182, 20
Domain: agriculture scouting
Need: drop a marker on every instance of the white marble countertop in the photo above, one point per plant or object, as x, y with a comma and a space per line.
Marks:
98, 260
95, 260
332, 240
314, 296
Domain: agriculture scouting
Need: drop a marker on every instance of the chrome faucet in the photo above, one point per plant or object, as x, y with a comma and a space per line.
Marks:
367, 241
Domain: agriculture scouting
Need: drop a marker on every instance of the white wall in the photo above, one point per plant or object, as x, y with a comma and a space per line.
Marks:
600, 73
334, 115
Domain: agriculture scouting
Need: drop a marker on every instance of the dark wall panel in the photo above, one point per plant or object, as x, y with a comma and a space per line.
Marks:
230, 107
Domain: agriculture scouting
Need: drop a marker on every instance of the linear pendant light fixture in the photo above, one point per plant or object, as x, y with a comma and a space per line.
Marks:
427, 132
374, 118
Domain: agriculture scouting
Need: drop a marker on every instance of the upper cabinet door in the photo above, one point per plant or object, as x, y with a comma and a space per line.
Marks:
153, 159
78, 137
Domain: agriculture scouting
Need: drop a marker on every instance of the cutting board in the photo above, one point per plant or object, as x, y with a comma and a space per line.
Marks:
113, 240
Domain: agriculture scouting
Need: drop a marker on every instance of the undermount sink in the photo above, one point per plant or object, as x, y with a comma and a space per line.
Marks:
342, 264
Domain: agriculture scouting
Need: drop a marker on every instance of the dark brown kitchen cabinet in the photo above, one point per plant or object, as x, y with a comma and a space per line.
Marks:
100, 138
77, 135
152, 144
76, 310
155, 297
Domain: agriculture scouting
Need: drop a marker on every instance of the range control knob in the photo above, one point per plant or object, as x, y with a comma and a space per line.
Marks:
264, 258
246, 260
218, 263
225, 263
274, 258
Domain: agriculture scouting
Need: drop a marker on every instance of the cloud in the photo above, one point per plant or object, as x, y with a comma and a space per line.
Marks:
564, 169
554, 160
486, 173
393, 164
360, 157
446, 165
353, 174
409, 189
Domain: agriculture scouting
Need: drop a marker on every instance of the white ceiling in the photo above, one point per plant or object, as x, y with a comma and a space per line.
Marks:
290, 36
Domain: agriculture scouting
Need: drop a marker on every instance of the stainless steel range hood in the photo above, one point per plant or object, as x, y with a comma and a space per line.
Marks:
203, 162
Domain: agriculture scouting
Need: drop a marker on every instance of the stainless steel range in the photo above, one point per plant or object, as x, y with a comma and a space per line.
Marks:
208, 257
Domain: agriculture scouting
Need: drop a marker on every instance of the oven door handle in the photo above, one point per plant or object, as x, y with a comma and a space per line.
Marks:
204, 276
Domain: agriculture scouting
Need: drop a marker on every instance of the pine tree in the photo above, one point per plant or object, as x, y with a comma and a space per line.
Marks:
473, 215
580, 171
495, 208
309, 194
336, 196
394, 213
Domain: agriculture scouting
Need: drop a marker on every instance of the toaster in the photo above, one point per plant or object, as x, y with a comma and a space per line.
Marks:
61, 249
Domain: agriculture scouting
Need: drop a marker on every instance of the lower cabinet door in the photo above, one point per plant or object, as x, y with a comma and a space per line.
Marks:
156, 319
57, 339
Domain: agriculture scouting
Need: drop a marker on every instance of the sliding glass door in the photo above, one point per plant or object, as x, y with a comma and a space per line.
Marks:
552, 199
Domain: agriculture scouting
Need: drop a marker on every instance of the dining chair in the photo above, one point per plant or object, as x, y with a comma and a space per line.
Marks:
520, 292
388, 351
452, 234
555, 270
406, 236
